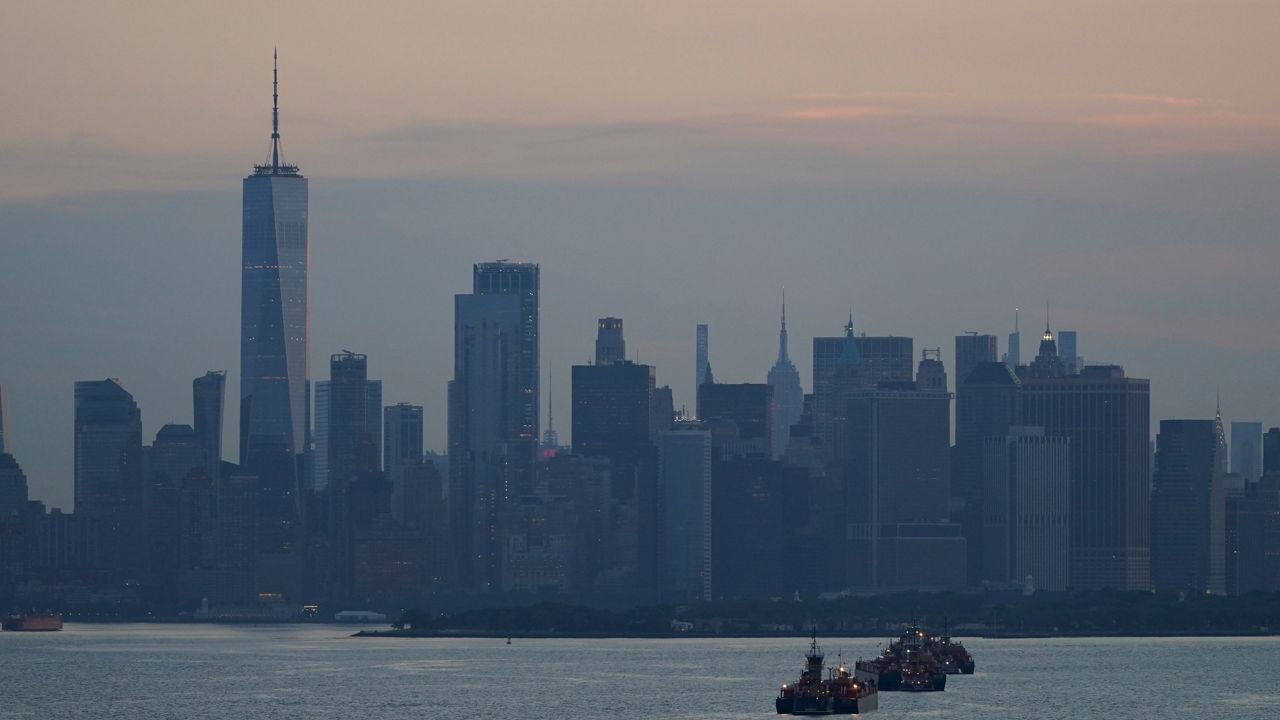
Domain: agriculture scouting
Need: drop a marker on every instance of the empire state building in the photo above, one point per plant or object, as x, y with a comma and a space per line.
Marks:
273, 338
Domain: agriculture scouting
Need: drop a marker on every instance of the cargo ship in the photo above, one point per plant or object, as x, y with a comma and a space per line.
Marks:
953, 656
33, 622
840, 693
885, 671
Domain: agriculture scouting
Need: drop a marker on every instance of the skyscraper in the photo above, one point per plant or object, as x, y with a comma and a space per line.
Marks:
1027, 509
611, 407
1069, 350
1013, 356
274, 341
610, 346
685, 479
788, 396
485, 428
840, 363
701, 364
350, 434
208, 393
4, 420
1271, 451
1246, 450
319, 465
1106, 416
519, 279
402, 438
108, 474
971, 349
1188, 509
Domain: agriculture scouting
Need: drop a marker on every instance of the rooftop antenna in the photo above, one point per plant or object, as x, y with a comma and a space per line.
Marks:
275, 110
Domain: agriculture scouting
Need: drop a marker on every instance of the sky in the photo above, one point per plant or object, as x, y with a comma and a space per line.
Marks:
929, 165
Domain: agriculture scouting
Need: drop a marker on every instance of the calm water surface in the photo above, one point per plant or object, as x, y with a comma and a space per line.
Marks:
142, 672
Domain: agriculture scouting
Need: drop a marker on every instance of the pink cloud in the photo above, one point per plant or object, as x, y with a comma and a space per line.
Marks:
1173, 100
841, 112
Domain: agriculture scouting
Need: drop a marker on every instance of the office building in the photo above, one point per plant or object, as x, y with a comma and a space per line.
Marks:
702, 363
893, 445
1027, 510
610, 347
486, 425
788, 396
1246, 450
274, 351
520, 280
4, 419
13, 487
1188, 509
319, 465
1069, 349
208, 394
988, 403
748, 406
1013, 353
1271, 451
611, 407
685, 481
1106, 417
876, 359
402, 437
108, 475
971, 349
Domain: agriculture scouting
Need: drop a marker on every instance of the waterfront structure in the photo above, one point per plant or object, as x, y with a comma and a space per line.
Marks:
971, 349
1246, 450
685, 482
520, 280
108, 475
486, 426
610, 346
208, 394
1106, 417
1026, 510
788, 395
1188, 509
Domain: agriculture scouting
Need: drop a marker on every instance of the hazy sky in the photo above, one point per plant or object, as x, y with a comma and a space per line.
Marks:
930, 164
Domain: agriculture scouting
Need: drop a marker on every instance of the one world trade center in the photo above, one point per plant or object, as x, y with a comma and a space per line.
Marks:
273, 343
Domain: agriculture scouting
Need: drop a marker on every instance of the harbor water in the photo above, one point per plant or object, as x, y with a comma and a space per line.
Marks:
317, 672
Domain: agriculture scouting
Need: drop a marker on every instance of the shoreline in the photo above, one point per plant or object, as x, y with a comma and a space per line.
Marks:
861, 635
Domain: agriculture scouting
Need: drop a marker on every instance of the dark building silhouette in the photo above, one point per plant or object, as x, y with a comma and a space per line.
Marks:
486, 425
1106, 417
610, 346
108, 476
1253, 537
971, 349
702, 362
1026, 509
686, 513
893, 448
274, 349
208, 393
988, 403
4, 419
878, 359
13, 487
788, 396
402, 437
612, 415
749, 406
1188, 509
662, 412
1271, 451
174, 457
520, 280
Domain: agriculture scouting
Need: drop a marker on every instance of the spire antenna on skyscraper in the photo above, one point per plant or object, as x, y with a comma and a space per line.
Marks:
275, 110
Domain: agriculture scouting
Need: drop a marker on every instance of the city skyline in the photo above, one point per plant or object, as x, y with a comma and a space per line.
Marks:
128, 263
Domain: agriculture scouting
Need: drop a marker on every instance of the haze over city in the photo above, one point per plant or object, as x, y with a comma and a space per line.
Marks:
930, 166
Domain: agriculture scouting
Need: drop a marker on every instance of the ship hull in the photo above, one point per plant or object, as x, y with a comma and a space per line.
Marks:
826, 705
886, 680
32, 623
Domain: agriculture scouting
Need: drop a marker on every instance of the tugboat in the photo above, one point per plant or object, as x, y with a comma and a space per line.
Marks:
838, 694
33, 622
920, 672
953, 656
885, 671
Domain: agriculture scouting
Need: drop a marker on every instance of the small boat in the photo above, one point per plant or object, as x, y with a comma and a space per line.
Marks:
32, 622
840, 693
